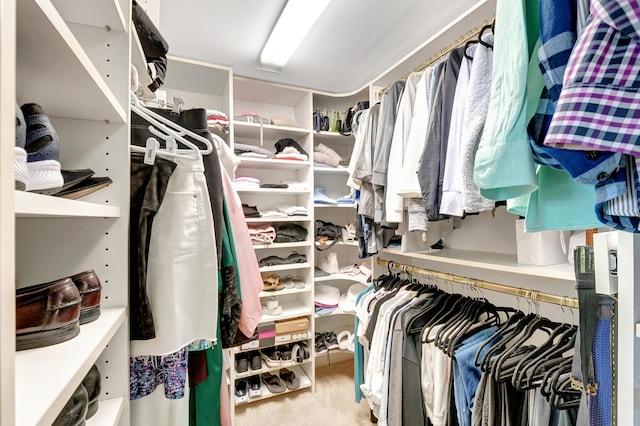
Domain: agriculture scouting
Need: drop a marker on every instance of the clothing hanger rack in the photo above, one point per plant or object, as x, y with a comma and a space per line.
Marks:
443, 52
485, 285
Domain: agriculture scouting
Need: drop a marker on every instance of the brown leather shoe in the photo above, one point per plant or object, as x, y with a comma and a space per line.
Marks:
47, 314
89, 286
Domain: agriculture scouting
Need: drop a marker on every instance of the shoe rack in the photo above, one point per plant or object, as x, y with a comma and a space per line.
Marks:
72, 59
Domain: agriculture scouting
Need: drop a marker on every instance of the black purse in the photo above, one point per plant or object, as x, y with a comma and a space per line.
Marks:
327, 231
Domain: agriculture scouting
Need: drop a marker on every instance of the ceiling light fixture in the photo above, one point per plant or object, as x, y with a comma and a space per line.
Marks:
295, 21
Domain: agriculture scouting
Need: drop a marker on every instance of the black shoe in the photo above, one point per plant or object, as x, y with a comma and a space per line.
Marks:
92, 383
74, 413
255, 361
242, 363
321, 345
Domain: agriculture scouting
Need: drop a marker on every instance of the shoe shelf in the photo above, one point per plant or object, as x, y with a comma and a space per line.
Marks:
331, 171
273, 164
95, 13
497, 262
290, 310
45, 378
239, 349
28, 204
285, 291
332, 351
278, 219
266, 369
342, 277
285, 267
270, 132
108, 414
45, 44
305, 382
272, 191
282, 245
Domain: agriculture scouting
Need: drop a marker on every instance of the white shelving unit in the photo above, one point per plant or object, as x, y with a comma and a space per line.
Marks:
72, 60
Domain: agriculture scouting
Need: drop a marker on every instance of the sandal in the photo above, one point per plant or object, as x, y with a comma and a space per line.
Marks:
287, 281
286, 355
272, 383
272, 283
289, 378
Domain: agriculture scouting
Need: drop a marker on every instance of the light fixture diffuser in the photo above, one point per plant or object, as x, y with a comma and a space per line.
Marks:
295, 21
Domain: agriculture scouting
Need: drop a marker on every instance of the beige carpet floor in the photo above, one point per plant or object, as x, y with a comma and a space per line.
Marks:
332, 404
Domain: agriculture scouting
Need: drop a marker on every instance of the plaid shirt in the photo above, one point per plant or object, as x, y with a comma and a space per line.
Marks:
598, 106
619, 186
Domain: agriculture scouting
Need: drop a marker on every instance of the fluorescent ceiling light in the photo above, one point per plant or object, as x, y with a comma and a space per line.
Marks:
295, 21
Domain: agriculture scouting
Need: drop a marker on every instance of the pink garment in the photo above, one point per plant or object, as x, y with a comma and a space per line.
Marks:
225, 408
262, 234
250, 279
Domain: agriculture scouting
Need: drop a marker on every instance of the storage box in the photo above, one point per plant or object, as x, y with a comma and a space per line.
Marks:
292, 326
267, 334
539, 248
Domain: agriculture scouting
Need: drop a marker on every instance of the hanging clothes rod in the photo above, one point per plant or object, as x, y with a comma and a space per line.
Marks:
443, 52
485, 285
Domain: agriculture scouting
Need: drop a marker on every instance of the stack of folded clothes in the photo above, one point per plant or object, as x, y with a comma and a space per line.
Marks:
288, 149
262, 234
294, 210
291, 259
218, 119
346, 199
325, 156
246, 182
274, 185
250, 151
250, 211
251, 117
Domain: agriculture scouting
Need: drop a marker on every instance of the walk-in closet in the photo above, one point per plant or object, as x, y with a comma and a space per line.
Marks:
238, 213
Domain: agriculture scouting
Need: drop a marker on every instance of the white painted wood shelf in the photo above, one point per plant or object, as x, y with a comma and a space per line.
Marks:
266, 369
47, 377
101, 13
285, 291
272, 163
342, 277
492, 261
278, 219
289, 310
28, 204
109, 412
285, 267
273, 191
331, 170
282, 245
334, 206
46, 44
270, 132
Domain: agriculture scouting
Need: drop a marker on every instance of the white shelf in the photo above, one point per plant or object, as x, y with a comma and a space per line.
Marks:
46, 45
28, 204
332, 138
47, 377
351, 243
272, 163
290, 310
138, 59
266, 369
493, 261
335, 206
332, 171
285, 267
342, 277
333, 351
109, 412
282, 245
95, 13
305, 382
285, 291
336, 312
277, 219
272, 191
269, 131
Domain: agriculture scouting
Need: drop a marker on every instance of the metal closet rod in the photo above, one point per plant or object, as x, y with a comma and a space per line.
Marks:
443, 52
486, 285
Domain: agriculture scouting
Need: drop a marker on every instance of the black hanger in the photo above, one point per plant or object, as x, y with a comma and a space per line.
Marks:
493, 318
480, 40
511, 330
467, 45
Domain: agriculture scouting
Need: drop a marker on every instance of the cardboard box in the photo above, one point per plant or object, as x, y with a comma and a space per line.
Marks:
294, 325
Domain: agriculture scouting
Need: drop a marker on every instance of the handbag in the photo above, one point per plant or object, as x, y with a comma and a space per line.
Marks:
327, 234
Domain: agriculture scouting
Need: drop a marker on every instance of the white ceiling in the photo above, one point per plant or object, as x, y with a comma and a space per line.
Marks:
352, 43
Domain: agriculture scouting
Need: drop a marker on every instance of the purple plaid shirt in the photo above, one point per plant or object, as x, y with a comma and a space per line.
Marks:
598, 107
